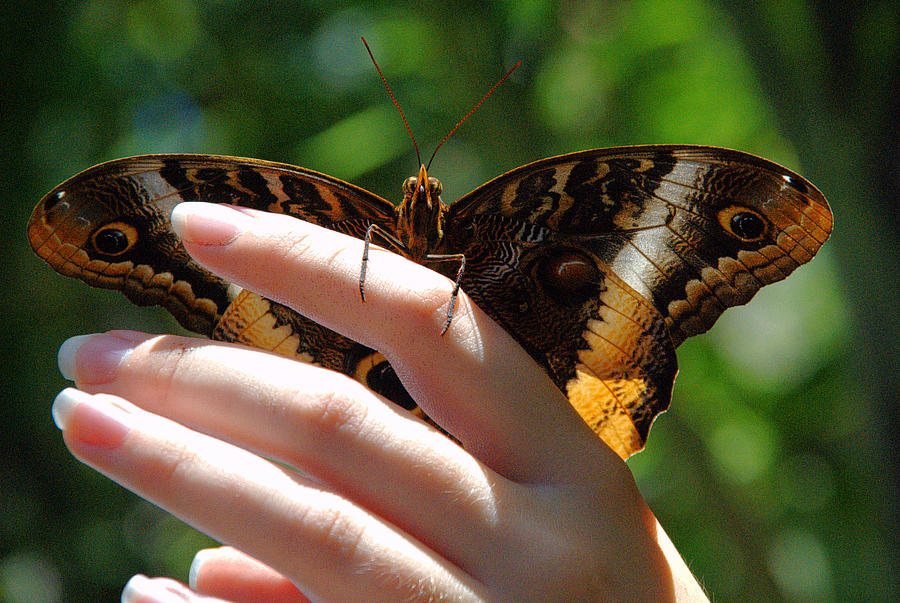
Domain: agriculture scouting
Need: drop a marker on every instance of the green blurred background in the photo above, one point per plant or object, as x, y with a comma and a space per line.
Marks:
775, 472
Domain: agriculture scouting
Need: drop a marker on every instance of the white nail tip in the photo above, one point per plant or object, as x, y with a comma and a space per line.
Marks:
178, 219
141, 589
65, 403
65, 358
134, 588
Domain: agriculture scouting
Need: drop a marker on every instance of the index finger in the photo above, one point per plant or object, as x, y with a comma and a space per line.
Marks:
475, 381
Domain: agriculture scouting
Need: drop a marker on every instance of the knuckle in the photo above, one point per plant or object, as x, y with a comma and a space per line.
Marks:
574, 564
310, 258
171, 367
173, 359
172, 470
298, 247
332, 531
335, 416
292, 245
425, 310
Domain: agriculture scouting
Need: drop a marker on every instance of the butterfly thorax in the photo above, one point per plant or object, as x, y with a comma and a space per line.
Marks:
420, 217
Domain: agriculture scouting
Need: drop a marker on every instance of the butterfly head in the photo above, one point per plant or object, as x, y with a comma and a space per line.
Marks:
421, 214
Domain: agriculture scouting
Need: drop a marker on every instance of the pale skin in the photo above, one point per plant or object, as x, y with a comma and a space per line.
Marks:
366, 502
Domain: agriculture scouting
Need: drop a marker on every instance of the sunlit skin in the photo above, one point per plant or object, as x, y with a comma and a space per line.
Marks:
382, 507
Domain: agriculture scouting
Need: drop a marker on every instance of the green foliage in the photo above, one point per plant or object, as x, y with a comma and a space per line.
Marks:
771, 472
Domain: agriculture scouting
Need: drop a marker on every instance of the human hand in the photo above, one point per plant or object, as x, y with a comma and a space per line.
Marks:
364, 501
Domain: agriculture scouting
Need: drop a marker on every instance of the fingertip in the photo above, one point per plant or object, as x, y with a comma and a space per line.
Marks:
228, 573
178, 219
141, 589
208, 223
200, 558
65, 358
64, 404
95, 358
100, 423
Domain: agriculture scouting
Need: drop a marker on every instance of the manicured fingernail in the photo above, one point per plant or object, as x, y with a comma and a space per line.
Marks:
65, 403
95, 358
95, 421
208, 223
141, 589
199, 559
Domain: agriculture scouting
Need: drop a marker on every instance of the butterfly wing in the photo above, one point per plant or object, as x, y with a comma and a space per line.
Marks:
609, 258
109, 226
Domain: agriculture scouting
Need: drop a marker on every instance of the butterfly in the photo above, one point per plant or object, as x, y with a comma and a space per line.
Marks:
599, 263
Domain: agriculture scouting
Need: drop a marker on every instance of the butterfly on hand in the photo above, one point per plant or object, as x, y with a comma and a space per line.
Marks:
599, 263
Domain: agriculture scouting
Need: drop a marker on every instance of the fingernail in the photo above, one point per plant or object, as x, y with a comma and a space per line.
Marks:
199, 559
209, 223
141, 589
64, 403
95, 358
100, 422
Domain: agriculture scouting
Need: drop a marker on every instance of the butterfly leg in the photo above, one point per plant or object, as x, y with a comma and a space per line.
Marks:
459, 274
392, 241
365, 261
455, 294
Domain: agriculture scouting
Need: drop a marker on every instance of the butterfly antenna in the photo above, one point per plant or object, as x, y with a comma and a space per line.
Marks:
475, 108
396, 104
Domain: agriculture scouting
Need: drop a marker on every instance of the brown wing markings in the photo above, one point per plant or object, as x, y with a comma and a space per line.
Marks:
673, 202
648, 258
814, 220
652, 194
747, 253
702, 220
68, 264
634, 365
57, 252
56, 249
700, 156
629, 394
796, 216
129, 276
699, 273
785, 202
632, 375
637, 325
180, 191
247, 325
801, 224
826, 216
715, 282
724, 276
601, 407
141, 279
229, 169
